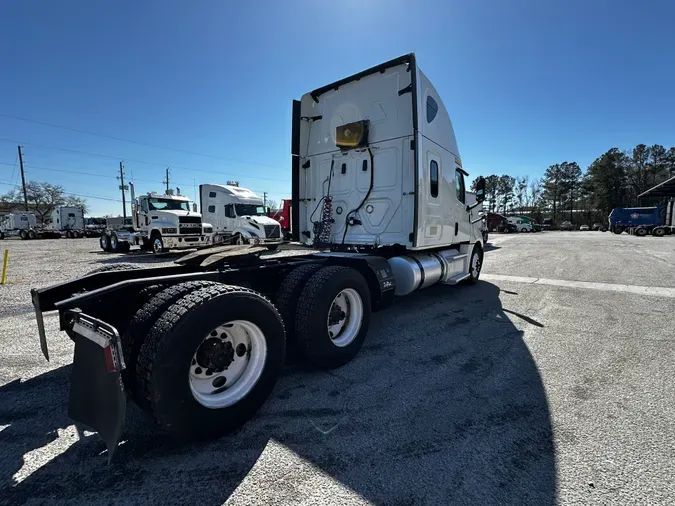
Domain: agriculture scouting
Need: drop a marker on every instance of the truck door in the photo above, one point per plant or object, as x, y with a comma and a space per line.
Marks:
462, 215
230, 221
144, 220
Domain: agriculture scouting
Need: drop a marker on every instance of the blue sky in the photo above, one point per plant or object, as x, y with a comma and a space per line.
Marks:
527, 83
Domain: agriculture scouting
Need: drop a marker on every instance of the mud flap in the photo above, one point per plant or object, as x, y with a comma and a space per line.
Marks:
97, 397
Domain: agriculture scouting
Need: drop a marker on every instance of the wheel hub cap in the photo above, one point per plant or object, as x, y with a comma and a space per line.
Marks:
215, 354
227, 364
345, 317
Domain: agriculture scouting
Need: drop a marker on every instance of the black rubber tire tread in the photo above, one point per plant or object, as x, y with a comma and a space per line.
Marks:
104, 242
163, 362
476, 249
154, 303
641, 232
658, 232
115, 267
311, 333
286, 298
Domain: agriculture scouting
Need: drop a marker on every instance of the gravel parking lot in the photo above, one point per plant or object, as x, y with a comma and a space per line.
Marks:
549, 382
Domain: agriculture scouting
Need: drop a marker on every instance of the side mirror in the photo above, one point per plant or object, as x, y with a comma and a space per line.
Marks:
480, 189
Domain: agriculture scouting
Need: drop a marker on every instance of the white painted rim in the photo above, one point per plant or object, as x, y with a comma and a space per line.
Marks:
347, 328
221, 389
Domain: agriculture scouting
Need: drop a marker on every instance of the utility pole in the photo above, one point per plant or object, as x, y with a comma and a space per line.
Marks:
23, 179
123, 188
166, 181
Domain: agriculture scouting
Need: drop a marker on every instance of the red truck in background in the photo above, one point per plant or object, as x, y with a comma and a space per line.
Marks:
283, 216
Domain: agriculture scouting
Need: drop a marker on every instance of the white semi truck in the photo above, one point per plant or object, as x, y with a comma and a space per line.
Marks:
68, 221
24, 225
17, 224
238, 216
378, 187
159, 223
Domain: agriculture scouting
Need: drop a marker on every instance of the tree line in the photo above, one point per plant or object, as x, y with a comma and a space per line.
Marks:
565, 192
42, 199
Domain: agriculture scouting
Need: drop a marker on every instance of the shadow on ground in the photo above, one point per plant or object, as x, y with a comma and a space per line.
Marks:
451, 410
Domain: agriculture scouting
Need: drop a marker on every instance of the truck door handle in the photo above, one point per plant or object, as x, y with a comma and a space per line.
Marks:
456, 228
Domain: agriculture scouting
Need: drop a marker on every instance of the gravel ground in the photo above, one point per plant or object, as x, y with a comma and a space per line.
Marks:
550, 382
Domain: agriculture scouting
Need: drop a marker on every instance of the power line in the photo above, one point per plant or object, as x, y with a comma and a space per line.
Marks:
140, 143
81, 173
110, 157
16, 159
86, 195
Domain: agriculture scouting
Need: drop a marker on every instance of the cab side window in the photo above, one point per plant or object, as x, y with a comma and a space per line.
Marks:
144, 205
229, 211
459, 185
433, 178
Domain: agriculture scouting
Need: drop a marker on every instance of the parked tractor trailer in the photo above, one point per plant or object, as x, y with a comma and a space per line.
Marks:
238, 216
378, 189
158, 223
64, 222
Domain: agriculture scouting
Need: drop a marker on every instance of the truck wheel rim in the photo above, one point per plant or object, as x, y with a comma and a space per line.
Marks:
157, 245
227, 364
344, 317
113, 241
475, 265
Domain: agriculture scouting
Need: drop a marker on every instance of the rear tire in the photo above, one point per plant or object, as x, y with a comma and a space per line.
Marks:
114, 243
617, 230
23, 234
104, 242
326, 288
641, 232
658, 232
32, 234
115, 267
168, 358
155, 302
286, 299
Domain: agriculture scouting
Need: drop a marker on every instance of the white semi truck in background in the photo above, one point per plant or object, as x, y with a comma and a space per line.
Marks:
24, 225
159, 223
18, 224
238, 216
377, 186
68, 221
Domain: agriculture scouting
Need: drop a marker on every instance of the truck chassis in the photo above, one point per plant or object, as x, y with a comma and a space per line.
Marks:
199, 345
